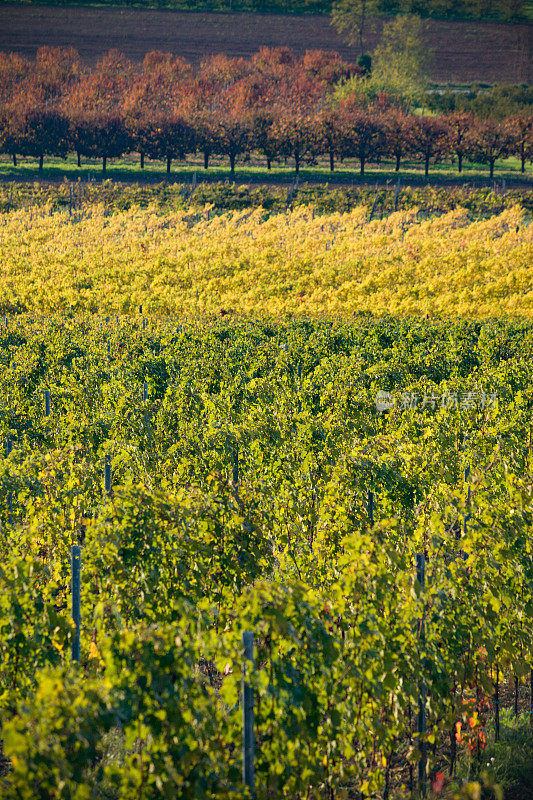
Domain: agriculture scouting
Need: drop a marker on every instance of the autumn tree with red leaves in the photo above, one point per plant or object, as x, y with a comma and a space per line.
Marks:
429, 137
327, 68
397, 135
32, 123
330, 120
521, 129
234, 122
99, 135
56, 71
39, 131
490, 140
297, 126
95, 107
458, 133
156, 110
211, 99
297, 136
362, 134
264, 135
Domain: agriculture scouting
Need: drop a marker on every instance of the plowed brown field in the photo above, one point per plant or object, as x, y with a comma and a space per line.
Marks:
464, 52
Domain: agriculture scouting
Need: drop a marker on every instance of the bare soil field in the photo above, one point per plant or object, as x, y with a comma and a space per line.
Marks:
464, 52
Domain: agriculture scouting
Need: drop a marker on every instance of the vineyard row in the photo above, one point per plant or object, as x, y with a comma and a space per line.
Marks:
216, 476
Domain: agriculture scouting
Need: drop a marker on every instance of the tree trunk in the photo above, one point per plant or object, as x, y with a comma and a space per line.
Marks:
41, 159
362, 159
331, 161
104, 163
522, 158
297, 162
491, 162
459, 162
169, 161
232, 163
142, 159
269, 162
14, 159
397, 162
206, 159
453, 749
79, 157
426, 173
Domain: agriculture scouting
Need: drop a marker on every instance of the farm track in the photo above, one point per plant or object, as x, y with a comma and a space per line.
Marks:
464, 52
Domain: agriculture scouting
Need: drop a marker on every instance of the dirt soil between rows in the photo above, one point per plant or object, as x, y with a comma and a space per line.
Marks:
463, 52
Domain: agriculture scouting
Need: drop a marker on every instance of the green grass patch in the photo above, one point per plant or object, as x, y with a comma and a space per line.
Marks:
128, 170
507, 763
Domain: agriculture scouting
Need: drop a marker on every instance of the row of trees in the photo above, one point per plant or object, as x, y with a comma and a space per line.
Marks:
273, 104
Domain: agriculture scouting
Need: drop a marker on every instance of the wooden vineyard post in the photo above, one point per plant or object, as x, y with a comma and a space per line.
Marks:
497, 706
9, 448
145, 391
374, 203
421, 722
411, 771
396, 193
46, 402
76, 599
10, 507
248, 738
235, 468
531, 696
467, 515
370, 507
107, 475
